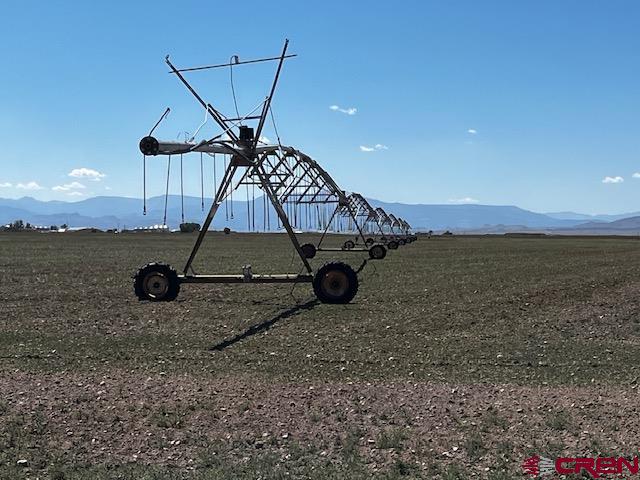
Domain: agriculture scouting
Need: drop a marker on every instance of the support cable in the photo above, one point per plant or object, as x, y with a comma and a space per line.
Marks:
215, 176
234, 58
268, 212
206, 118
231, 193
248, 210
164, 115
166, 193
201, 182
226, 197
264, 212
275, 128
144, 184
181, 189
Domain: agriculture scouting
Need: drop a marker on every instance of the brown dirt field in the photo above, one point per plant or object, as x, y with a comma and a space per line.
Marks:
458, 358
169, 419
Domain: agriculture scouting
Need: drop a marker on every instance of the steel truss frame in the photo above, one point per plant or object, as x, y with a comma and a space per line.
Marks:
359, 214
388, 222
284, 174
290, 180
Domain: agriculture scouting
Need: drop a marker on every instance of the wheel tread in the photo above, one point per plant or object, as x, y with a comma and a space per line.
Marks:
351, 275
174, 284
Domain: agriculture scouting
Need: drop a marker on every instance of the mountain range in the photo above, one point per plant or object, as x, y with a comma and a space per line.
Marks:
123, 212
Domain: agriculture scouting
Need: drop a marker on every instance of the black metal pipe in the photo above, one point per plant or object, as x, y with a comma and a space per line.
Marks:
233, 64
217, 116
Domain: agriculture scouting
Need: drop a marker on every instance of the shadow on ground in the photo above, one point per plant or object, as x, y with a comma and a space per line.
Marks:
266, 324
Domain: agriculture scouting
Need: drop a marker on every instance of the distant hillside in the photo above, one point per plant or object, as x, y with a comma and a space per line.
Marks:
118, 212
121, 212
470, 217
591, 218
626, 224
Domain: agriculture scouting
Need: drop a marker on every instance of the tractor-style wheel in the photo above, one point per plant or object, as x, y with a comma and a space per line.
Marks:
348, 245
402, 242
392, 245
377, 252
157, 282
335, 282
308, 250
369, 241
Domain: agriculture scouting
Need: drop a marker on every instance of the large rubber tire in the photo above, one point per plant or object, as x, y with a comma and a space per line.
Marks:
392, 245
309, 250
377, 252
348, 245
157, 282
335, 282
402, 242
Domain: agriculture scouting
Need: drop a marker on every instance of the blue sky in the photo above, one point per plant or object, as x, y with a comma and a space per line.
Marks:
528, 103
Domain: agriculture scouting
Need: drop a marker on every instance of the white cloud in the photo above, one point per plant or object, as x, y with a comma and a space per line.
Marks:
75, 193
377, 146
68, 186
612, 180
29, 186
635, 175
107, 188
463, 200
472, 131
348, 111
5, 185
89, 173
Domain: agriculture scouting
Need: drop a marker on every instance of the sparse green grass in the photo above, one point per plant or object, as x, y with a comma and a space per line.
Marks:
168, 418
554, 449
509, 311
493, 420
489, 309
475, 446
257, 467
350, 445
391, 438
558, 420
455, 472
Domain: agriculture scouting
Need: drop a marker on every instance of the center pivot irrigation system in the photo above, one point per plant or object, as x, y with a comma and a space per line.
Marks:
290, 180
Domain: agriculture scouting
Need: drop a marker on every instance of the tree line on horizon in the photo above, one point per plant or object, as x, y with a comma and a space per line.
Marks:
19, 225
